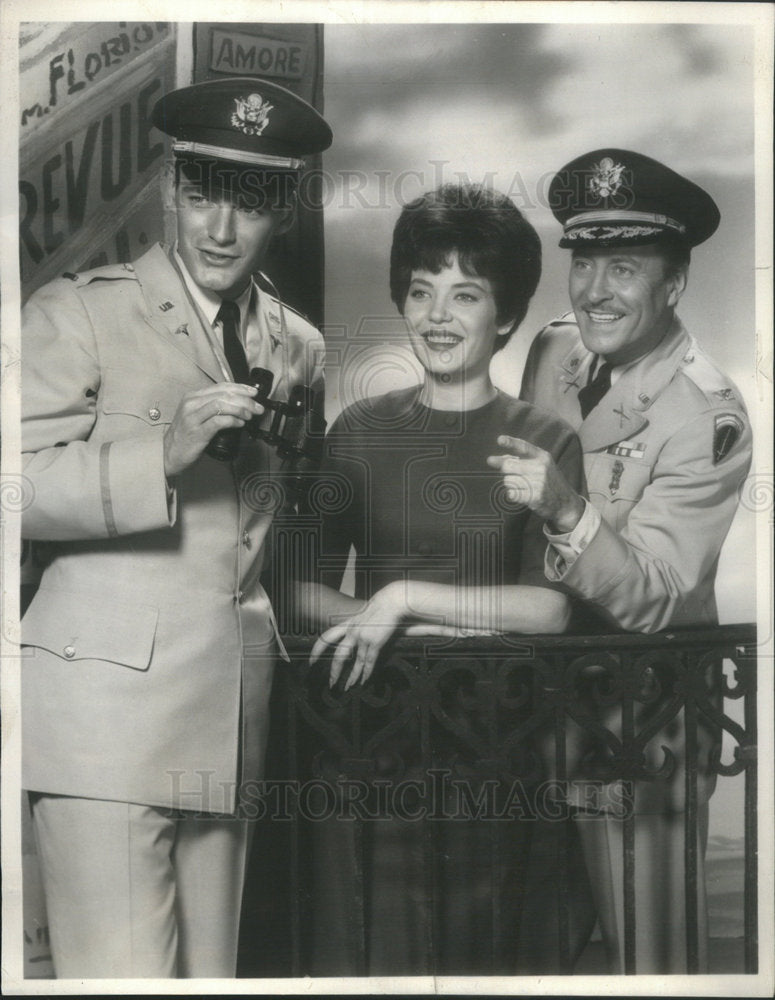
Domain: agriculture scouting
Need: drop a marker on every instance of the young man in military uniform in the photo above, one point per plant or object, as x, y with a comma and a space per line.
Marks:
667, 445
151, 643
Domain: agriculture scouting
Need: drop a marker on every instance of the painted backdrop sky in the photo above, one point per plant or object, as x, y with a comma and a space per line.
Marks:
508, 104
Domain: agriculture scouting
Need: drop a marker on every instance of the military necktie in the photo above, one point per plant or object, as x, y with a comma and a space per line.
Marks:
591, 394
228, 316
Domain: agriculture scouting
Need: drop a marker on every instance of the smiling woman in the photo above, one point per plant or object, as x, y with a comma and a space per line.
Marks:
453, 332
439, 548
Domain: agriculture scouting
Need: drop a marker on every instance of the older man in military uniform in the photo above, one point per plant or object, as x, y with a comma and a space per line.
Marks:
667, 445
151, 643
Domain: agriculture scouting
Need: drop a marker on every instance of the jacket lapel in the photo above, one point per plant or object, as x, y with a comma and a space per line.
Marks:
173, 315
574, 371
623, 411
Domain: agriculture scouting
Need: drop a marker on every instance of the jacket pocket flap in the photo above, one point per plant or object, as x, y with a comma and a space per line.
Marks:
153, 399
79, 626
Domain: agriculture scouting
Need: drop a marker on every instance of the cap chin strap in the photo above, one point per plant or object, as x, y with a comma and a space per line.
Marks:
237, 155
286, 373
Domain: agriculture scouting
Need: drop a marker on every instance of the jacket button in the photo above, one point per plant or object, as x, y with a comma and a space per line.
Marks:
69, 652
154, 414
246, 539
239, 597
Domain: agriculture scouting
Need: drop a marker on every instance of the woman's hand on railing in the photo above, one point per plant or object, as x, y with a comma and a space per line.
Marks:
368, 635
362, 637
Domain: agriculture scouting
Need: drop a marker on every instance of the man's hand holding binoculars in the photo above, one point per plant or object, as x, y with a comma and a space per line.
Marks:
200, 416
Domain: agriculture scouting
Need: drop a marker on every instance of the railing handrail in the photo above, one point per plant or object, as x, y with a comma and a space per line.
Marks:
733, 634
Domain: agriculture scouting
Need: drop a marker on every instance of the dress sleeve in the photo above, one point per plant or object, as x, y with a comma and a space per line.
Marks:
329, 509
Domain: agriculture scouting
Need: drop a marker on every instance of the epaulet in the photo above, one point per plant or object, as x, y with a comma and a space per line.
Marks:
702, 372
108, 272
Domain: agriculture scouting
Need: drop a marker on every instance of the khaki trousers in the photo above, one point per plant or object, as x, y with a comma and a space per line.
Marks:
135, 891
660, 895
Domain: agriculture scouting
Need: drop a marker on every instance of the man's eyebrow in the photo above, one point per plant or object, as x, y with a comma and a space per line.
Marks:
618, 259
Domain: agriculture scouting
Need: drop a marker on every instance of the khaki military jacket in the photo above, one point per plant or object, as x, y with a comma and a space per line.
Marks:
666, 451
150, 624
665, 454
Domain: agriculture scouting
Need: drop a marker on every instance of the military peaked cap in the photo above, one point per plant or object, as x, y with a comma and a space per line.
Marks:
243, 120
614, 197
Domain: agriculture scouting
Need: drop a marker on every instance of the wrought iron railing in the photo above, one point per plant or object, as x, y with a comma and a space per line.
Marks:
468, 721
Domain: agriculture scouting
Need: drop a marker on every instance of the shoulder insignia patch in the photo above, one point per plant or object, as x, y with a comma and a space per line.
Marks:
724, 394
728, 429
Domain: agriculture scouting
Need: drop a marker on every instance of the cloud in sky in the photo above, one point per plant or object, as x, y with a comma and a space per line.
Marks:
512, 102
466, 90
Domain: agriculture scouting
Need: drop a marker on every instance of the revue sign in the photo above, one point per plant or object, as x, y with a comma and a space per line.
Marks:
89, 161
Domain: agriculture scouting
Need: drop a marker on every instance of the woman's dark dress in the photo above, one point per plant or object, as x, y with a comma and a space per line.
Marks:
409, 489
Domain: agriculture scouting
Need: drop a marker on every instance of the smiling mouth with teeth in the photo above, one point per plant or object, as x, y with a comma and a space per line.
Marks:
603, 317
442, 338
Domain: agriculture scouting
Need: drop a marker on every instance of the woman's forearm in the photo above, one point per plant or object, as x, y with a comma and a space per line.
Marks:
322, 606
512, 608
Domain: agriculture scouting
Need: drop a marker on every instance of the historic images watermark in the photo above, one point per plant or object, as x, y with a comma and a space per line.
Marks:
435, 795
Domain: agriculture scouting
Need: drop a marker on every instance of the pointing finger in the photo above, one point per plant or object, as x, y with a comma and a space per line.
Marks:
519, 447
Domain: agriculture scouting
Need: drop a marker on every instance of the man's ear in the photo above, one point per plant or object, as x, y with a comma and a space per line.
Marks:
286, 216
678, 282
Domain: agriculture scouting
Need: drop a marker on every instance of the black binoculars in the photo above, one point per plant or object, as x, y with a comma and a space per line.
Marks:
296, 431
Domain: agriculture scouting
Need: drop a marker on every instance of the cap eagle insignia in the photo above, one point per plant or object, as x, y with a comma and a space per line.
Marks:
252, 114
606, 178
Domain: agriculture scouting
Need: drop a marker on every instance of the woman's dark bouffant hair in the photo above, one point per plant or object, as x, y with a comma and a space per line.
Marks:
490, 236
